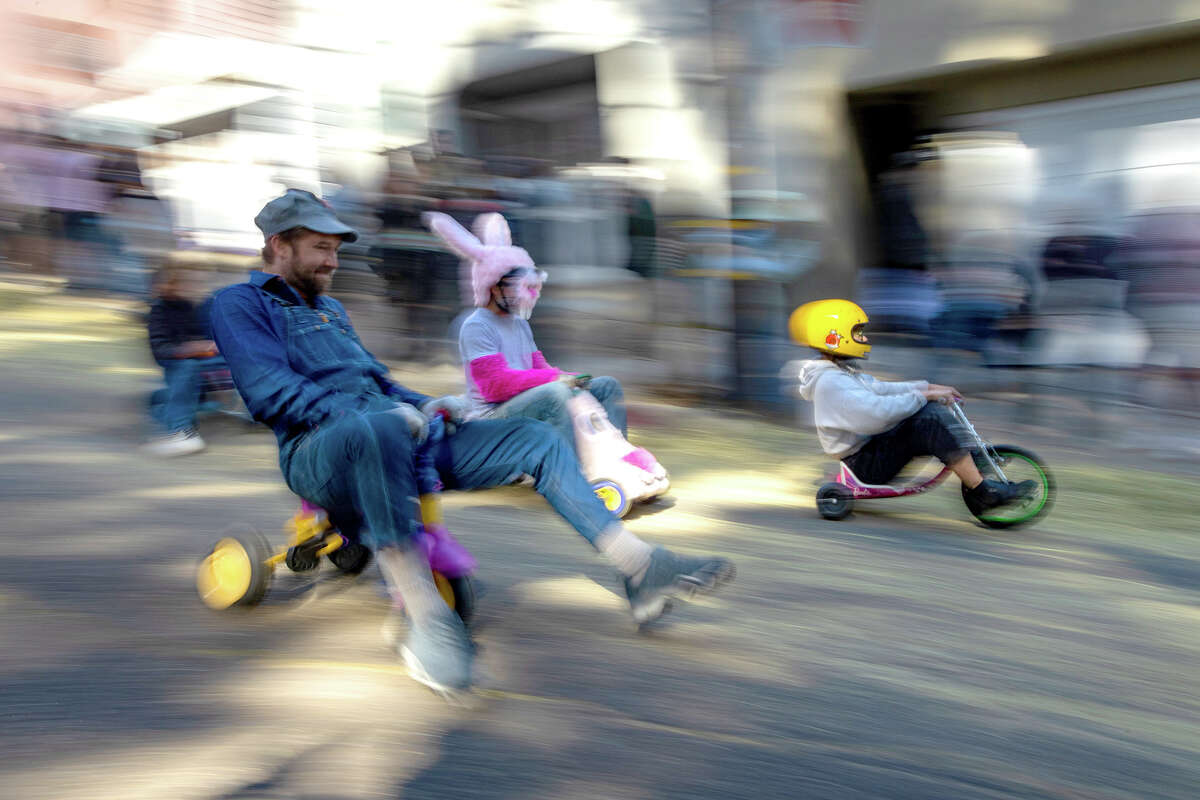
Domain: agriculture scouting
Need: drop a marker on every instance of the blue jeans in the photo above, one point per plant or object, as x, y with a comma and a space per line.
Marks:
175, 408
360, 468
548, 403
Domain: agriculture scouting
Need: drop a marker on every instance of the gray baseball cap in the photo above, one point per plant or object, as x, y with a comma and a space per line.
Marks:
300, 209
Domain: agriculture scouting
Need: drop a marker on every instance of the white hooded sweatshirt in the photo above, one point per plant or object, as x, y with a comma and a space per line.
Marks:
850, 406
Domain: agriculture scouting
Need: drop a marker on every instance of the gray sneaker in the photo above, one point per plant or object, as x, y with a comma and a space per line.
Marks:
671, 576
438, 653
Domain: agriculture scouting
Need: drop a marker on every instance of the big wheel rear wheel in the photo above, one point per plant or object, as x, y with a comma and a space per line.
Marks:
834, 501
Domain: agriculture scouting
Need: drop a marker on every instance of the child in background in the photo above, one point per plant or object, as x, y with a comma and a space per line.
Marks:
182, 345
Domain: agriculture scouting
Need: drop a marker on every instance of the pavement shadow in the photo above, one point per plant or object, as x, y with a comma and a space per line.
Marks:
1163, 568
843, 737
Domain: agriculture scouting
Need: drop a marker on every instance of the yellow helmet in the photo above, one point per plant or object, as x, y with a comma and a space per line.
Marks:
831, 326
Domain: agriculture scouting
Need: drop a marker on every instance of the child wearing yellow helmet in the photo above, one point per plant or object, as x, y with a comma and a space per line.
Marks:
874, 426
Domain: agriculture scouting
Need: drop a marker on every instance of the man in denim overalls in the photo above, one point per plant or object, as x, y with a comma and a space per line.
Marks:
347, 435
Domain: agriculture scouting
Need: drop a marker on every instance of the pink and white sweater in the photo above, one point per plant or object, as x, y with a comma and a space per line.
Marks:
500, 360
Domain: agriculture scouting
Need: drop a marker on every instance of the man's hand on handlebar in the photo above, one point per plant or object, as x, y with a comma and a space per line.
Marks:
452, 408
575, 380
418, 424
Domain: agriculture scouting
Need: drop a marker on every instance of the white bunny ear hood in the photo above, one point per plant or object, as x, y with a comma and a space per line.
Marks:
489, 250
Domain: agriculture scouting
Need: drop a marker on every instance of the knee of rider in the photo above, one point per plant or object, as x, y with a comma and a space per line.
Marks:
606, 387
366, 436
536, 432
558, 391
355, 435
392, 431
936, 413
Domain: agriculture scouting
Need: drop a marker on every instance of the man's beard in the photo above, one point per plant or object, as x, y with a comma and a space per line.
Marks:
314, 284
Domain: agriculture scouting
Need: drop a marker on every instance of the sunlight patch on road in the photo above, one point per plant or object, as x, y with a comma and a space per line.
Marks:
212, 489
749, 487
678, 523
74, 457
575, 591
117, 370
43, 337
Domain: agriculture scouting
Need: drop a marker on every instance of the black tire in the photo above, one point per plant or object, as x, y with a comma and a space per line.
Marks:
245, 582
834, 501
351, 558
1018, 464
464, 597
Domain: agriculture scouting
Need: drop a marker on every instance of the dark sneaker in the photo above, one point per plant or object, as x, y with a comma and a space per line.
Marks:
671, 576
439, 653
992, 494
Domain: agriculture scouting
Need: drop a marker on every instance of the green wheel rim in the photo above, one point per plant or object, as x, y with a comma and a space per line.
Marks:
1022, 512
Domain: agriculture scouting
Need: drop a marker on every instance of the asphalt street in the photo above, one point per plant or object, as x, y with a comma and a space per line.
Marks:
901, 653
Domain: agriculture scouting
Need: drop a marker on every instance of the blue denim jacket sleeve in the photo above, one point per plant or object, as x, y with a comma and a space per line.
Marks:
255, 347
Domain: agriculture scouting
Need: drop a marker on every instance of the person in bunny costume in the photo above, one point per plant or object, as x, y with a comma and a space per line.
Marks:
348, 436
506, 373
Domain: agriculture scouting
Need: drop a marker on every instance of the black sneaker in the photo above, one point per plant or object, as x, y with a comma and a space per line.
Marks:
992, 494
672, 576
439, 654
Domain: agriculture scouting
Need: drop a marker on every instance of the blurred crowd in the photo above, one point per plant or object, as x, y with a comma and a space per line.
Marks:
562, 218
84, 211
80, 210
1064, 289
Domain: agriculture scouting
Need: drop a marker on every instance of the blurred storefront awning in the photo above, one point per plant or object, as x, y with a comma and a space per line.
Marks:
176, 103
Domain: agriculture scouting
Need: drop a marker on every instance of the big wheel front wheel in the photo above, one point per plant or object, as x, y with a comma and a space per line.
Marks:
1018, 465
235, 572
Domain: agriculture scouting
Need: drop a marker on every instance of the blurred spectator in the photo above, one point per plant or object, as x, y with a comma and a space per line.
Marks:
905, 243
181, 342
412, 263
985, 278
1161, 262
1080, 317
901, 296
137, 227
642, 231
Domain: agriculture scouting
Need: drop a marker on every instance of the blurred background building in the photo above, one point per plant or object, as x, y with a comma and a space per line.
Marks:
1012, 180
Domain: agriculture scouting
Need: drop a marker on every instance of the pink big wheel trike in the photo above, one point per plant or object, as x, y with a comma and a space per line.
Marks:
1003, 462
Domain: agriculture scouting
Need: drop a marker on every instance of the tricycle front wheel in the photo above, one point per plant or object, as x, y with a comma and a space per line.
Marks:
236, 571
1018, 465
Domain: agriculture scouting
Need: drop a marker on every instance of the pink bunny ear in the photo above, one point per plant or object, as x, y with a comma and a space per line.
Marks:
492, 229
456, 237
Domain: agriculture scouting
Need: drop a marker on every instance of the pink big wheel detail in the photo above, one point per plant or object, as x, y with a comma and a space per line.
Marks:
640, 457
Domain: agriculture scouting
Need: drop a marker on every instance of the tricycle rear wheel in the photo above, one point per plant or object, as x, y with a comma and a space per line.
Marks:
834, 501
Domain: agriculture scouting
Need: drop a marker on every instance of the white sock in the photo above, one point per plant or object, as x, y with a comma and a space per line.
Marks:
407, 574
629, 554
